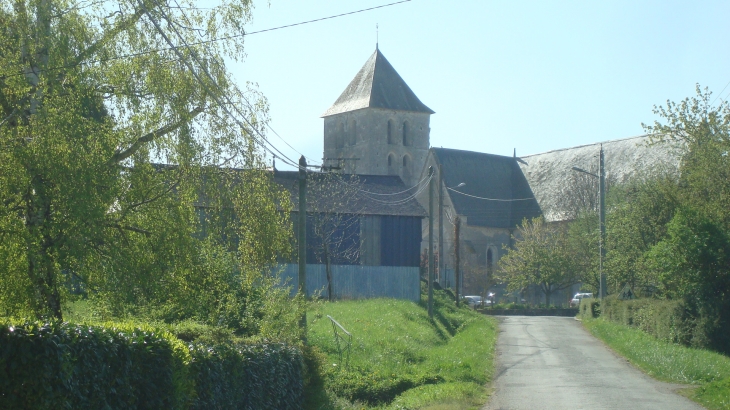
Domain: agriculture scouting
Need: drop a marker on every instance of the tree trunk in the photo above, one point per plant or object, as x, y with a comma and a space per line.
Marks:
41, 264
328, 269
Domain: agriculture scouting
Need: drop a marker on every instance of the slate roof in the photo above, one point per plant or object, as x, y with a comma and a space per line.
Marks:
487, 176
548, 172
377, 85
366, 203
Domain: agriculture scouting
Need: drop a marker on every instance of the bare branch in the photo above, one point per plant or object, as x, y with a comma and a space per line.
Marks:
121, 156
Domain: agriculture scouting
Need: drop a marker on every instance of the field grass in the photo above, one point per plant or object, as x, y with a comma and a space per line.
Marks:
670, 362
400, 359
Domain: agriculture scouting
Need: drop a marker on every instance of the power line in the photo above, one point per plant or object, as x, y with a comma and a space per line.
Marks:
214, 96
490, 199
171, 48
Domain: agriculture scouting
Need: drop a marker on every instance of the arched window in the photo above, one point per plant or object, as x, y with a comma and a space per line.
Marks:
391, 137
406, 167
392, 168
406, 136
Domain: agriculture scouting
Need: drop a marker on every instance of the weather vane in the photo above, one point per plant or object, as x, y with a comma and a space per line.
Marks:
376, 36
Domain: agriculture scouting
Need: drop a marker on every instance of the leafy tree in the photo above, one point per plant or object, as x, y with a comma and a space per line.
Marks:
540, 256
638, 217
92, 95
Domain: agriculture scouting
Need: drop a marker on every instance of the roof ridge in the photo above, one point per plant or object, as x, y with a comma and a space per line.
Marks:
586, 145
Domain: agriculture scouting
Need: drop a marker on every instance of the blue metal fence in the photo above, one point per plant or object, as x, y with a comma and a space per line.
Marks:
357, 281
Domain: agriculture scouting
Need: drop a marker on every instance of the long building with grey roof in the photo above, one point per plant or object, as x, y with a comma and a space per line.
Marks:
378, 126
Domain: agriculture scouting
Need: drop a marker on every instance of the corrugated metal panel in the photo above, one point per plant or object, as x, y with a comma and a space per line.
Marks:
358, 282
370, 226
400, 241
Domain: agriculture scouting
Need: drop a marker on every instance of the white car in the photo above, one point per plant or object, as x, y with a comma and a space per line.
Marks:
474, 301
575, 302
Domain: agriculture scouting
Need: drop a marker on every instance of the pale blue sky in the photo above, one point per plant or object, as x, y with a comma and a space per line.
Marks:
530, 75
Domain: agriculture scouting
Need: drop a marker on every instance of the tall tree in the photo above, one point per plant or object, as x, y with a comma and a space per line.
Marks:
540, 256
92, 95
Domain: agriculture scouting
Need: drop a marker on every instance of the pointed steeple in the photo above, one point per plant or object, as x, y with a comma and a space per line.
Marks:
377, 85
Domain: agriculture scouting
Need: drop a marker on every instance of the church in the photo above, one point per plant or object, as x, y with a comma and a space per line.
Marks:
378, 126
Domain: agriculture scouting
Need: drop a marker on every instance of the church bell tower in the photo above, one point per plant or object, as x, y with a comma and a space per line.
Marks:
377, 126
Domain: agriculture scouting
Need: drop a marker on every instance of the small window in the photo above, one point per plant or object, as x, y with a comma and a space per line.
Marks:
392, 165
391, 137
405, 161
406, 136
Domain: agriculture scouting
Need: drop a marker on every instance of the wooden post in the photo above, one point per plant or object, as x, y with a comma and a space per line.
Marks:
430, 243
302, 234
441, 257
457, 227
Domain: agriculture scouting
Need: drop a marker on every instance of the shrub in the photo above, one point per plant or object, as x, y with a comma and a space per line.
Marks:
247, 376
589, 308
117, 366
668, 320
62, 365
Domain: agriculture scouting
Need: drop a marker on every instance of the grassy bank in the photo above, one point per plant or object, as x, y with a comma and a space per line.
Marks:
400, 359
670, 362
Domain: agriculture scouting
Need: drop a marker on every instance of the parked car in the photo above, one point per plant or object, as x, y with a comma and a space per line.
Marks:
474, 301
575, 302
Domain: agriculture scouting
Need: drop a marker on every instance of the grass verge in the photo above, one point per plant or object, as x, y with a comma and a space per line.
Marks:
670, 362
401, 359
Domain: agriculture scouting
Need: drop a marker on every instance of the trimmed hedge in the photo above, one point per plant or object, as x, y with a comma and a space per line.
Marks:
589, 308
668, 320
61, 365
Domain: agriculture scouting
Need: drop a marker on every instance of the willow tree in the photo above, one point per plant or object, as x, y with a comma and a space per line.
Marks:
94, 96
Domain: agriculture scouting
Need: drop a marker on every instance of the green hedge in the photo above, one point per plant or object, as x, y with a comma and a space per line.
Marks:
589, 308
668, 320
61, 365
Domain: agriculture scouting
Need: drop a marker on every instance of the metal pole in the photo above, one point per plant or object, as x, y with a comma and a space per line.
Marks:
441, 257
602, 222
302, 234
457, 227
430, 243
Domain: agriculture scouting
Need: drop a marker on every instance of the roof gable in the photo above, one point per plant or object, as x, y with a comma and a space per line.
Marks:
377, 85
495, 177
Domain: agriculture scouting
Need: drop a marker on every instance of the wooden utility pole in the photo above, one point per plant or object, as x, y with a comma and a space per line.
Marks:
430, 243
457, 227
602, 222
302, 234
441, 257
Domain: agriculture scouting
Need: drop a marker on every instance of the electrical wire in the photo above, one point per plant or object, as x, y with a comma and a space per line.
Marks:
171, 48
490, 199
214, 96
220, 65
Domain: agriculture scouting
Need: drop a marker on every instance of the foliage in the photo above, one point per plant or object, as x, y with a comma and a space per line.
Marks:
668, 320
664, 360
714, 396
120, 366
246, 376
400, 357
639, 213
589, 308
60, 365
91, 96
540, 255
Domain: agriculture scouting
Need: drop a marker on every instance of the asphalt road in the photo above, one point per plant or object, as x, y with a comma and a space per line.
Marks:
554, 363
